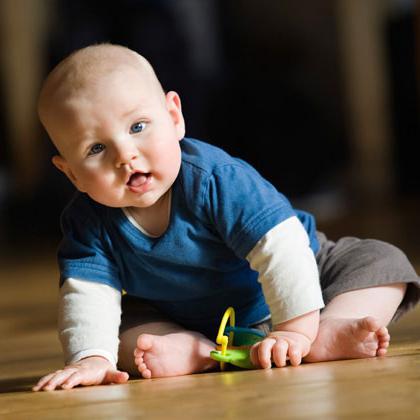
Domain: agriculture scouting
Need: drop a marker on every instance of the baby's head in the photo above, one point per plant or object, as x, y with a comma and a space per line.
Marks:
117, 132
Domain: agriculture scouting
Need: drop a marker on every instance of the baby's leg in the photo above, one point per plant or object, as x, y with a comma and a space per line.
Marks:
365, 284
353, 324
160, 349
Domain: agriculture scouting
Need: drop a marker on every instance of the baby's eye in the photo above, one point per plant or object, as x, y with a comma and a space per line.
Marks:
138, 127
96, 148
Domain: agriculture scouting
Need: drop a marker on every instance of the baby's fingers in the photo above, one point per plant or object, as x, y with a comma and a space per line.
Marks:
264, 352
295, 355
76, 378
92, 378
279, 352
54, 380
42, 382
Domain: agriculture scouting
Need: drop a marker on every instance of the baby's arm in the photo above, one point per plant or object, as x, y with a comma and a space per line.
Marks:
89, 318
289, 277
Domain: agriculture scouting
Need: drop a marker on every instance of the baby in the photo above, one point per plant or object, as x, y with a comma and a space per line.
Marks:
165, 232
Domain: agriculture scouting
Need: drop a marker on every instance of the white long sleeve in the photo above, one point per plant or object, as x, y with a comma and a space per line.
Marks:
287, 271
89, 320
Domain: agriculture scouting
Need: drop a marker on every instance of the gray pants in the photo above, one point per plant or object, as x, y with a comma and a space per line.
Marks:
352, 263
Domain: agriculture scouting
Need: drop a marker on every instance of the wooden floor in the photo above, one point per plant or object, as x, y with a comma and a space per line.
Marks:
386, 388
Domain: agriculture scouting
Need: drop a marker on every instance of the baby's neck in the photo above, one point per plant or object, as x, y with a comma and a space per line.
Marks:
154, 220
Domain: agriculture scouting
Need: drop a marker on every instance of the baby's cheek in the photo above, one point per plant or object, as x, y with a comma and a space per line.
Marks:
101, 188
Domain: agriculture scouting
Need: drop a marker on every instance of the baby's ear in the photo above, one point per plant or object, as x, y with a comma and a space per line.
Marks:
61, 164
173, 102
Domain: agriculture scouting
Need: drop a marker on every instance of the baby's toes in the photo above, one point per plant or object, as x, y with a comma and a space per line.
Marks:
144, 371
382, 332
138, 361
138, 353
382, 347
141, 365
138, 357
371, 348
383, 343
369, 323
381, 352
383, 337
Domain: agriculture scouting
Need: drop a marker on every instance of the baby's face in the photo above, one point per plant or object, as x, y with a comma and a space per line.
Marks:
119, 141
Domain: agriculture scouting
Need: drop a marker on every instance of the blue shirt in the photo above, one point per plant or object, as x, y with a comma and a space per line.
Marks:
221, 207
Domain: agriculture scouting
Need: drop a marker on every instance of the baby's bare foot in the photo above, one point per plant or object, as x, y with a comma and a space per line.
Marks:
349, 339
174, 354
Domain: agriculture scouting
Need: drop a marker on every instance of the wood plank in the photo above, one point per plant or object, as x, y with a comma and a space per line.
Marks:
385, 387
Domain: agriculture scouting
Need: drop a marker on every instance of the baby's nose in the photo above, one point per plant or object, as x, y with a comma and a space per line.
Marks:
125, 155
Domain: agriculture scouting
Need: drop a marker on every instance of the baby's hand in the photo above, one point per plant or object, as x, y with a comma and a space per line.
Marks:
93, 370
279, 346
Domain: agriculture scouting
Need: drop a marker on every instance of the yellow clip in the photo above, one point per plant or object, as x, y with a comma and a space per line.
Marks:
222, 339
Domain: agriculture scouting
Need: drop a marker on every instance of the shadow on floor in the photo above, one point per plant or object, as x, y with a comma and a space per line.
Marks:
17, 384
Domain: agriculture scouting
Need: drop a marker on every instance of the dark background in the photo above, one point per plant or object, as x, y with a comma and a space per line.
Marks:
269, 81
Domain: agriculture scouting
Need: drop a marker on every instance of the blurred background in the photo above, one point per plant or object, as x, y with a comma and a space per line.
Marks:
322, 97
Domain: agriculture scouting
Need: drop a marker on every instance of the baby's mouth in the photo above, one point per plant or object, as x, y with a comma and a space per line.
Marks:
137, 179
